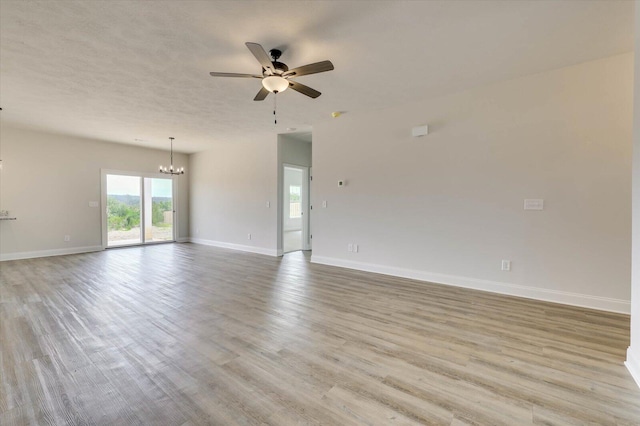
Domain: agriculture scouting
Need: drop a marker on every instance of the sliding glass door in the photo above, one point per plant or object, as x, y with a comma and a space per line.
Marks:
158, 210
124, 210
139, 209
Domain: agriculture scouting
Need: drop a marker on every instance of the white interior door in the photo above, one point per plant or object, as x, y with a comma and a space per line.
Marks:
295, 208
306, 203
310, 236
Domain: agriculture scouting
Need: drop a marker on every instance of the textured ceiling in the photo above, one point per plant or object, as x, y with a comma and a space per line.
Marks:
136, 72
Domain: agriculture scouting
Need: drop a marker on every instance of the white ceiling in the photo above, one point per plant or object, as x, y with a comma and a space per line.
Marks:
136, 72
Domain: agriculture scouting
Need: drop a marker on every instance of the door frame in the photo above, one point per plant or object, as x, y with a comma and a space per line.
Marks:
141, 175
305, 204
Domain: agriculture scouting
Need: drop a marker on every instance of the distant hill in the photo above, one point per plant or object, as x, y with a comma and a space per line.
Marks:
134, 200
160, 199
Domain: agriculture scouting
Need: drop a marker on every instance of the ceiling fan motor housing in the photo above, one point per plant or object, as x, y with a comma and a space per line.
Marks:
275, 54
279, 68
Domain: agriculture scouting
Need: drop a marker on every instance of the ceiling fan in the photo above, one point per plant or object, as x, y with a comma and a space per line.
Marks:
277, 77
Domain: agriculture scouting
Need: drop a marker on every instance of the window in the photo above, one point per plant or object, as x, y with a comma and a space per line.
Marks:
294, 201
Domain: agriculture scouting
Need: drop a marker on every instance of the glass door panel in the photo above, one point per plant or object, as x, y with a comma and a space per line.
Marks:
159, 214
124, 210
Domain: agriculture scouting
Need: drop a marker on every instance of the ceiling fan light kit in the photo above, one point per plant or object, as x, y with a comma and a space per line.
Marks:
275, 83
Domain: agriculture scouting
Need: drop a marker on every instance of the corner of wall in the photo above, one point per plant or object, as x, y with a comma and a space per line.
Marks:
633, 353
633, 365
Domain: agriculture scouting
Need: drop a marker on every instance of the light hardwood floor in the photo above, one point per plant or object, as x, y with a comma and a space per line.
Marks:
182, 334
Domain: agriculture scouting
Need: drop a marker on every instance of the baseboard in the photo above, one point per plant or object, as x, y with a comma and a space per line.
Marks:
633, 365
183, 240
231, 246
48, 253
567, 298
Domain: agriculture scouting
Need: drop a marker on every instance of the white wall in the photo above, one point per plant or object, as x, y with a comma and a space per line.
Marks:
230, 187
633, 354
48, 180
448, 207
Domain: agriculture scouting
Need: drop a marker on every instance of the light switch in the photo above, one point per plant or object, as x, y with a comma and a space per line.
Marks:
324, 204
93, 204
534, 204
268, 204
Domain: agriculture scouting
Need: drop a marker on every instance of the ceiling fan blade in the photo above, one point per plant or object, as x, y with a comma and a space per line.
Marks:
261, 95
309, 69
305, 90
231, 74
261, 55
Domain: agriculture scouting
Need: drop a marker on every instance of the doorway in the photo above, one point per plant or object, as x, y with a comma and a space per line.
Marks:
139, 209
295, 208
294, 219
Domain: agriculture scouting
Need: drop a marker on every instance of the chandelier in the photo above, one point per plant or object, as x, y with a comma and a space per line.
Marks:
170, 171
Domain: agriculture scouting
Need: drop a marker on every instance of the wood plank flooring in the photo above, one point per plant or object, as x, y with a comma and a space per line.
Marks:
181, 334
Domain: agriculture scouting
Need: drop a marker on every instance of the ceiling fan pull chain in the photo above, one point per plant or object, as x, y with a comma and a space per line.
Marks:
275, 105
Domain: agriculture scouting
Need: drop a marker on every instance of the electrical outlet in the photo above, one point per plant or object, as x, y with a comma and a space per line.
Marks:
506, 265
248, 236
324, 204
350, 247
268, 204
67, 238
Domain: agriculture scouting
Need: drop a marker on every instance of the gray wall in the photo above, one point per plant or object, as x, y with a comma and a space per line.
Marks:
448, 207
48, 180
230, 188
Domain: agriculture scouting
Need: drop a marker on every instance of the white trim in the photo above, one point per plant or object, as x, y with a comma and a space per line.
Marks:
48, 253
633, 365
240, 247
183, 240
567, 298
